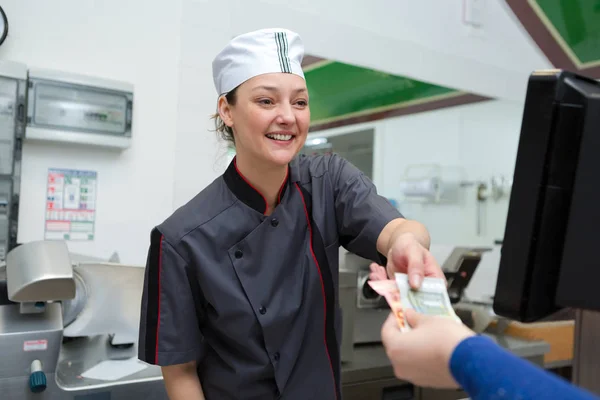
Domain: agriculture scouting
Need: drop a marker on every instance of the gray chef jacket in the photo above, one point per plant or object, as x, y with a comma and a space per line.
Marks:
254, 298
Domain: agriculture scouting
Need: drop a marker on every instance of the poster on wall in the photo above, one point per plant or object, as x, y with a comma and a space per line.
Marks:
70, 205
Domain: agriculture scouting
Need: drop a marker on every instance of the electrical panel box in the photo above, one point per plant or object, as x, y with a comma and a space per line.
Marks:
13, 94
65, 107
5, 198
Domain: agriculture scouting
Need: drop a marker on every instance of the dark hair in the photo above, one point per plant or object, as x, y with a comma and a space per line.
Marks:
224, 131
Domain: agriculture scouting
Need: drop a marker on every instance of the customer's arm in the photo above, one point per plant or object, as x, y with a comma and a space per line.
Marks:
441, 353
182, 383
487, 371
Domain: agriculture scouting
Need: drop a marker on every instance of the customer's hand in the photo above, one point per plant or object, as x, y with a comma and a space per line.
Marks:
422, 355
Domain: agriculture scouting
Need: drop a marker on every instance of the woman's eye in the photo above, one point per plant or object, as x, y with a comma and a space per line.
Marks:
302, 103
265, 102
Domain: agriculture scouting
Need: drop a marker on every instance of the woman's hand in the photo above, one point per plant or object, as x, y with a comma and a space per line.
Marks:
422, 355
407, 255
378, 272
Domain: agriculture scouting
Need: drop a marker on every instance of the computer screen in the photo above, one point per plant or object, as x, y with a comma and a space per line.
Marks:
549, 257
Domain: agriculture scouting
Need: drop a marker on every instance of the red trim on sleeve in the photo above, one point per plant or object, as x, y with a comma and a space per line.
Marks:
160, 256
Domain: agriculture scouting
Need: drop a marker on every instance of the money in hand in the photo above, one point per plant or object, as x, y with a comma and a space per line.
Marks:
388, 289
430, 299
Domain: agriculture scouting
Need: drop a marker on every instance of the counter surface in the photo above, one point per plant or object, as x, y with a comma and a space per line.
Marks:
370, 361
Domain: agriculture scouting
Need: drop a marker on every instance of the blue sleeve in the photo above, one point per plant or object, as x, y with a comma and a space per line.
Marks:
487, 371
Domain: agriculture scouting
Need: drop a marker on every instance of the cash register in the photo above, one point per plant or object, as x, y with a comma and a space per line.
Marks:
549, 257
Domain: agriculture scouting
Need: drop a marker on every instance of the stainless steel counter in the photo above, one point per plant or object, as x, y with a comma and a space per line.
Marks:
68, 383
533, 350
81, 354
369, 376
370, 362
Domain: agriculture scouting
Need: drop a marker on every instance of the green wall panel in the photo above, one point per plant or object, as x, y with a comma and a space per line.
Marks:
339, 90
578, 24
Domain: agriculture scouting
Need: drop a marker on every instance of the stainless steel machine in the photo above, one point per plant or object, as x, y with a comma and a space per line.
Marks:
69, 330
371, 309
471, 278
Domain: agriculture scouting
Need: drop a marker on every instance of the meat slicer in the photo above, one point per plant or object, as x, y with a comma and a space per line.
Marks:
68, 330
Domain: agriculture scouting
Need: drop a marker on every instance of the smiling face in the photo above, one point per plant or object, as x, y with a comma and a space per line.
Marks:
270, 118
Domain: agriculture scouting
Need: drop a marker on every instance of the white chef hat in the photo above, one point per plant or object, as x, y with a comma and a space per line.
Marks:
256, 53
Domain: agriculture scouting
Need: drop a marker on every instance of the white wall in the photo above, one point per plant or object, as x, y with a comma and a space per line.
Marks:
417, 39
481, 139
424, 39
129, 40
205, 29
165, 49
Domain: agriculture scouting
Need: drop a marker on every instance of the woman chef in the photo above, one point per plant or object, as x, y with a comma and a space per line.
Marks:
241, 288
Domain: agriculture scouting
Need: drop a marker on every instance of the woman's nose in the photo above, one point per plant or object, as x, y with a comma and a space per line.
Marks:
286, 115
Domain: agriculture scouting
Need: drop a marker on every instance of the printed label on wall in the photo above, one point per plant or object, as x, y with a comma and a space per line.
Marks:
70, 205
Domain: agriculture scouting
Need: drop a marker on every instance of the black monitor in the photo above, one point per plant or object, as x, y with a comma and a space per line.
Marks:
550, 256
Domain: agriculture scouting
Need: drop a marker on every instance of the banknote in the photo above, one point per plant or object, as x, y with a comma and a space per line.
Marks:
388, 289
430, 299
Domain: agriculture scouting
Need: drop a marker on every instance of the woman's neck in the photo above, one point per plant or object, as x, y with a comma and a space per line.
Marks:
267, 179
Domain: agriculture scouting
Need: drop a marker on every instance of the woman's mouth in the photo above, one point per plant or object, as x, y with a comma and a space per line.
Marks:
280, 137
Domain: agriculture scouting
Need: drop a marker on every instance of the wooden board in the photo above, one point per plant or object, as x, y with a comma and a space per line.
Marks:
558, 334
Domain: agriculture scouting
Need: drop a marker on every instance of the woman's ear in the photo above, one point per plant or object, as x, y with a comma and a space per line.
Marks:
225, 111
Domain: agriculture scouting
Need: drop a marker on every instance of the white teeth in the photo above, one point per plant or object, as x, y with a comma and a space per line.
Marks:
280, 137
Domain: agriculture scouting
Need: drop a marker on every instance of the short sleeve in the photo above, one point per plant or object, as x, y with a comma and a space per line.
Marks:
361, 213
169, 329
